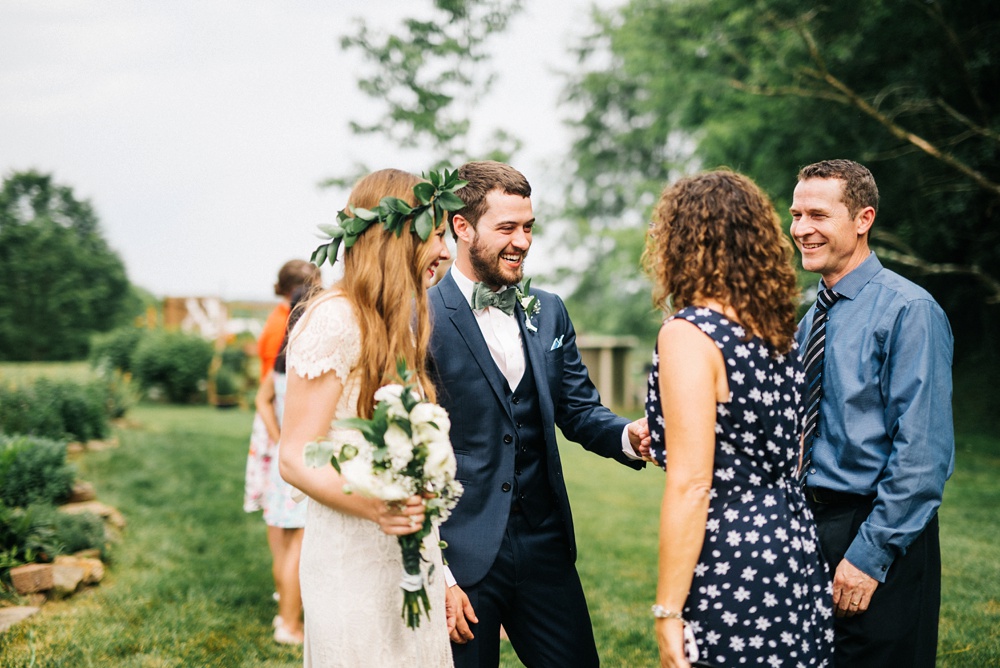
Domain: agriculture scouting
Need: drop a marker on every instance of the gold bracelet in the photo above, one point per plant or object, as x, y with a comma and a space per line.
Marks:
662, 613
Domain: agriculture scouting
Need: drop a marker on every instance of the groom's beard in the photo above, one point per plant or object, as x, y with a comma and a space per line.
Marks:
489, 267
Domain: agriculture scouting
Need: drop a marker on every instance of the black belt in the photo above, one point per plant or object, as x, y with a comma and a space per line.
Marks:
832, 497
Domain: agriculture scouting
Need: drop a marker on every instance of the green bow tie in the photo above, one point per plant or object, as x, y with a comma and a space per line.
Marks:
504, 300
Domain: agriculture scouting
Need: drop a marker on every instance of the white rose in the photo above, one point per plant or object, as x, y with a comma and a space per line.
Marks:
390, 393
427, 421
440, 465
399, 445
358, 476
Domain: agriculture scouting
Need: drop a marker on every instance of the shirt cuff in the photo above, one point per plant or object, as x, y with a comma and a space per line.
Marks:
627, 447
869, 559
449, 579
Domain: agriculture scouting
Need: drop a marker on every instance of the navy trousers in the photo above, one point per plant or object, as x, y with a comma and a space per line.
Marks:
533, 589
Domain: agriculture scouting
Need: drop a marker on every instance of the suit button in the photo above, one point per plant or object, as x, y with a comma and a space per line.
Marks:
517, 471
516, 400
519, 425
505, 487
507, 438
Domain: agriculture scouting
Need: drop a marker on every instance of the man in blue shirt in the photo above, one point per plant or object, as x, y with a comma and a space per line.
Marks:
881, 446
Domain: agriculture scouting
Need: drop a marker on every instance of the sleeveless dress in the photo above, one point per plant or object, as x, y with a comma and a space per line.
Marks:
761, 593
349, 570
280, 508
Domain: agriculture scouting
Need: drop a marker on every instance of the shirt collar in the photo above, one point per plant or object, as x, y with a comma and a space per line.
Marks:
849, 286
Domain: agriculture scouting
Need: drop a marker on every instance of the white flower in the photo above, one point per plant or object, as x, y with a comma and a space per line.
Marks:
389, 393
440, 465
400, 446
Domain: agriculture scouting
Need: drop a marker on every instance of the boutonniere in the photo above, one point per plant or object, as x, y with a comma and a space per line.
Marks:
529, 304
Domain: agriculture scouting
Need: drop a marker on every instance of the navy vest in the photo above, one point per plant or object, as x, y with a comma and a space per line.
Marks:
532, 494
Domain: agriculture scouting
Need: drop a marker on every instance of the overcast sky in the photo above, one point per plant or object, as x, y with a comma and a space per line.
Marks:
199, 130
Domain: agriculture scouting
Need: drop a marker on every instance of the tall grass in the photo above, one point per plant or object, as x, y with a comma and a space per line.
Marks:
190, 584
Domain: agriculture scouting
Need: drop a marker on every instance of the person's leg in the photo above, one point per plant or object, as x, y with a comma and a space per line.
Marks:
548, 622
286, 547
900, 626
489, 599
289, 590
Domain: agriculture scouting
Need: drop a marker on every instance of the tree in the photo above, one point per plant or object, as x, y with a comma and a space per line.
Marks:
59, 280
907, 87
429, 76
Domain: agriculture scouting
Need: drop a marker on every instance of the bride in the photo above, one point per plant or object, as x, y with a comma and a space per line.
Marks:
342, 350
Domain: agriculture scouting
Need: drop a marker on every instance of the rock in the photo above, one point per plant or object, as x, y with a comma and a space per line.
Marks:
30, 578
92, 553
93, 569
111, 515
82, 491
13, 615
66, 580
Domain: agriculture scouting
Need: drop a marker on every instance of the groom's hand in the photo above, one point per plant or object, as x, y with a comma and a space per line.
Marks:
638, 438
458, 606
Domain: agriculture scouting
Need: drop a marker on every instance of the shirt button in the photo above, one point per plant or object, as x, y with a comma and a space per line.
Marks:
505, 487
507, 438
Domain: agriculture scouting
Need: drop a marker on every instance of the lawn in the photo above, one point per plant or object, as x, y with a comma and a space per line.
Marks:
190, 583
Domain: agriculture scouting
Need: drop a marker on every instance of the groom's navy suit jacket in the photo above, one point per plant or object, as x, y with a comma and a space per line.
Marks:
471, 388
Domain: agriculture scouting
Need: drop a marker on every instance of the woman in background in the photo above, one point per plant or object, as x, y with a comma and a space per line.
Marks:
739, 561
264, 489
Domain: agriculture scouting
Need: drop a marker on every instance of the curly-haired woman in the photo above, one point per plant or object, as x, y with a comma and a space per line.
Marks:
741, 581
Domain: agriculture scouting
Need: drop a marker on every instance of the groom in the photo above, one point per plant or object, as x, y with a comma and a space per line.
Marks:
507, 377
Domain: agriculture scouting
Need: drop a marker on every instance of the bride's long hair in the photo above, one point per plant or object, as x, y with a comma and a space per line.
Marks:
383, 281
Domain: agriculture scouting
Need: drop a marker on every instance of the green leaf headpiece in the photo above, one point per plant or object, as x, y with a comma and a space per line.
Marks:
434, 197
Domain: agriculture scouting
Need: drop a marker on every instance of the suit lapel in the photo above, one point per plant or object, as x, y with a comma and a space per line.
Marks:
536, 355
460, 314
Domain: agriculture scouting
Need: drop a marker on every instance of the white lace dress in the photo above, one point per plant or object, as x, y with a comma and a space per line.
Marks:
350, 571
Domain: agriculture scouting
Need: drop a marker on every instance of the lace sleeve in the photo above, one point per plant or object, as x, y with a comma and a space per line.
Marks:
326, 338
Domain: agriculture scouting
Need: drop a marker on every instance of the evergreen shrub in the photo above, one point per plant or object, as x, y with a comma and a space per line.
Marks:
173, 363
34, 470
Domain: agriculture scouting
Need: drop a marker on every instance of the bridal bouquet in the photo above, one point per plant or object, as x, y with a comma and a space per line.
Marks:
407, 451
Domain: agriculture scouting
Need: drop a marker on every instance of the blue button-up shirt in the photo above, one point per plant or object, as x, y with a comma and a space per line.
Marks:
885, 424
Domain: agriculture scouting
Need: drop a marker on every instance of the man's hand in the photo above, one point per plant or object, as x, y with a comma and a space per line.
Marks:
852, 590
459, 612
638, 438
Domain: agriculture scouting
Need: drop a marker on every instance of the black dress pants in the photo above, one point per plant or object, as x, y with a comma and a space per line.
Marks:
900, 626
533, 589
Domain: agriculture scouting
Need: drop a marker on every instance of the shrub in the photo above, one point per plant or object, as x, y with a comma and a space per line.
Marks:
41, 533
119, 394
33, 470
57, 409
173, 362
114, 350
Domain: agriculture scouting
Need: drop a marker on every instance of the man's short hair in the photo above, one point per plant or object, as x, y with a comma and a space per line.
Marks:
859, 188
483, 178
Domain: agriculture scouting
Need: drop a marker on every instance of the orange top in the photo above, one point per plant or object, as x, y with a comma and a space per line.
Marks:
269, 343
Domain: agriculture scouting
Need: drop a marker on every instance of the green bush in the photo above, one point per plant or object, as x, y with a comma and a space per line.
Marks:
173, 363
59, 409
114, 350
41, 533
33, 470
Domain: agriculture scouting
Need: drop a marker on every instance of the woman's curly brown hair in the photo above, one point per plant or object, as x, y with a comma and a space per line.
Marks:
717, 236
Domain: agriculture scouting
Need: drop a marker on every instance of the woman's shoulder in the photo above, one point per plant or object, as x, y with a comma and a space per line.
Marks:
326, 337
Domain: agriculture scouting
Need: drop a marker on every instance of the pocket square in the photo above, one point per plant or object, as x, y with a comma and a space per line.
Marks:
557, 343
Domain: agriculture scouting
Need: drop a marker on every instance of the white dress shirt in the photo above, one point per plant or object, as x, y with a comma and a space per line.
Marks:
503, 336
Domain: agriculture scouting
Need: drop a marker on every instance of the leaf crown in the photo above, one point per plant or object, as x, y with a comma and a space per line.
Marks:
435, 196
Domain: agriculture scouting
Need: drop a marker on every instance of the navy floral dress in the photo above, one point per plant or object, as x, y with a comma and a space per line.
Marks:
761, 594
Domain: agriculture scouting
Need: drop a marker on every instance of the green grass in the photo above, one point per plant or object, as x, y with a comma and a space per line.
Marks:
190, 583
